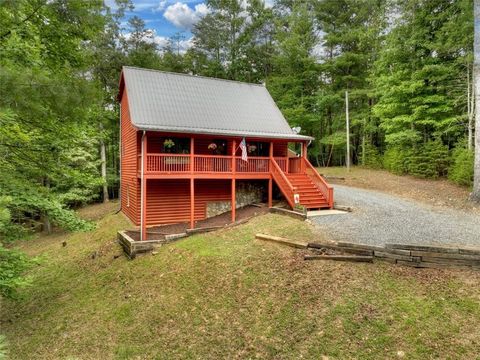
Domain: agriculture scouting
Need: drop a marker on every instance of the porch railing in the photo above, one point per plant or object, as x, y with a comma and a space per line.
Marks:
212, 164
181, 163
253, 165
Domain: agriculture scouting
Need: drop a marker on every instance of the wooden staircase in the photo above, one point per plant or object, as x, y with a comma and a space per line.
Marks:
310, 196
303, 180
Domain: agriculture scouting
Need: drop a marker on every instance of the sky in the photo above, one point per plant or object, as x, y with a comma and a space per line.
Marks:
167, 17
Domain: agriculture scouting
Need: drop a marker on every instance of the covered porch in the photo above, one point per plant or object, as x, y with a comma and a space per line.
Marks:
196, 157
215, 157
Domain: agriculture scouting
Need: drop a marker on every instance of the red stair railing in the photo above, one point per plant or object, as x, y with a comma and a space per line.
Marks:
283, 183
319, 181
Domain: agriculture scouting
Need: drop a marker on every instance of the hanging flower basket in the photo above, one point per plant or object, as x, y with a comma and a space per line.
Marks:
168, 144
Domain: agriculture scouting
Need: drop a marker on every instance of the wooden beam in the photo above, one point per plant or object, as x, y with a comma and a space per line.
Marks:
292, 243
192, 158
353, 258
143, 233
233, 200
270, 185
270, 191
192, 203
234, 148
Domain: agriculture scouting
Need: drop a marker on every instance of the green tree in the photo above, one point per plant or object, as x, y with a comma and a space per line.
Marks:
351, 35
295, 78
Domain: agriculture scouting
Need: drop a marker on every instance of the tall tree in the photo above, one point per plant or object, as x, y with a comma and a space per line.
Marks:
418, 106
476, 181
294, 80
352, 36
234, 41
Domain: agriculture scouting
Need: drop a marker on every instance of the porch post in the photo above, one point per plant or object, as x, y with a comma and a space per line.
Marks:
143, 189
270, 185
234, 146
234, 170
192, 203
192, 158
233, 200
304, 155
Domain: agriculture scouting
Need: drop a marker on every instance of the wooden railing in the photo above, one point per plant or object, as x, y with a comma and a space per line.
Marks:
181, 163
212, 163
178, 163
283, 183
282, 163
319, 182
253, 165
294, 165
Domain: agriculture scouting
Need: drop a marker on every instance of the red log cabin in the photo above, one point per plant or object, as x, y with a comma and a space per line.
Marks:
181, 138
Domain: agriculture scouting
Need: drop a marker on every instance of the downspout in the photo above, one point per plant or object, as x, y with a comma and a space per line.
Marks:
142, 189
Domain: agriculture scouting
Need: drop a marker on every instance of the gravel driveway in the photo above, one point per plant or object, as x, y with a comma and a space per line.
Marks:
379, 218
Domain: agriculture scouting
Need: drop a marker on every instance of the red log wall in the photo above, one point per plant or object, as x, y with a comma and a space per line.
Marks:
130, 185
168, 201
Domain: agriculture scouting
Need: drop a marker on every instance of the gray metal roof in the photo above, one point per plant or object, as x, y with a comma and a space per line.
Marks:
174, 102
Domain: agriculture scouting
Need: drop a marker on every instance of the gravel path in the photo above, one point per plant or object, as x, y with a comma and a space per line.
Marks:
379, 218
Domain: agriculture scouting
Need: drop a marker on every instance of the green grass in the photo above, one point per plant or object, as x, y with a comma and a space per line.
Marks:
227, 295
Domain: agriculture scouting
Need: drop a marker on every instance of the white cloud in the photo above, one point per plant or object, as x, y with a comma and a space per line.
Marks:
184, 17
161, 41
161, 6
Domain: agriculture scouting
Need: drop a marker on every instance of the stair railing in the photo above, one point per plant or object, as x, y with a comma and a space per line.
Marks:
283, 183
319, 181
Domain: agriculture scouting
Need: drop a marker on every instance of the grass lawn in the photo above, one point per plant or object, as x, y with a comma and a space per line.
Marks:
227, 295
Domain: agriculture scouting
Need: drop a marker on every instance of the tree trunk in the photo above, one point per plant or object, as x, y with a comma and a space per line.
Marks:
103, 159
46, 224
476, 76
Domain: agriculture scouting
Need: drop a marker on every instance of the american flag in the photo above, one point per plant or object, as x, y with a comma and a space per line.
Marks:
243, 146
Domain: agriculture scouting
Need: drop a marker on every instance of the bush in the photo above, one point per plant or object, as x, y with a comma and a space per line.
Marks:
373, 159
13, 264
3, 347
430, 160
461, 168
395, 159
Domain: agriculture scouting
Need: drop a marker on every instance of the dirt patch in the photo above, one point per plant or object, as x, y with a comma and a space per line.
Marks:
159, 232
433, 192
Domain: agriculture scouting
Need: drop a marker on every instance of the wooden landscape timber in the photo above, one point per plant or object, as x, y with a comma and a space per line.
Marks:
291, 213
282, 241
418, 256
352, 258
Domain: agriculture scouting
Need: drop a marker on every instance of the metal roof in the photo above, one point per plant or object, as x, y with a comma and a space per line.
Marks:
184, 103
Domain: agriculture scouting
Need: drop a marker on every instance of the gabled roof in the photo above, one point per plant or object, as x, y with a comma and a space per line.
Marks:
183, 103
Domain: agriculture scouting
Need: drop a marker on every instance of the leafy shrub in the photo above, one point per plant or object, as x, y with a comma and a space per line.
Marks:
3, 348
395, 159
461, 168
373, 159
13, 264
430, 160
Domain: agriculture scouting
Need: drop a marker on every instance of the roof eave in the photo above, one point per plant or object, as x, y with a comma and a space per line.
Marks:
226, 133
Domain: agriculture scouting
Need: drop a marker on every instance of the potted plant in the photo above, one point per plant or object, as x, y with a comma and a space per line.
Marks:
212, 147
251, 148
168, 144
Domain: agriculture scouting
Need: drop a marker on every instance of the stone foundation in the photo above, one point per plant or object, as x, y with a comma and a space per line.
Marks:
247, 193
